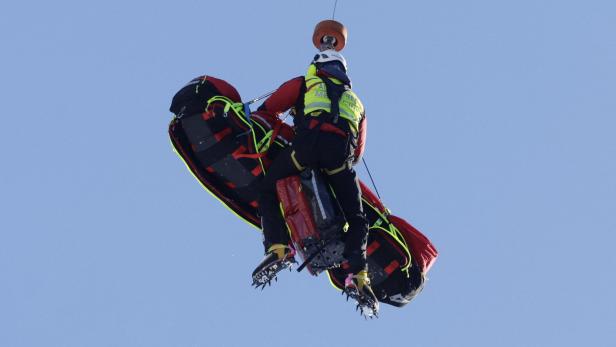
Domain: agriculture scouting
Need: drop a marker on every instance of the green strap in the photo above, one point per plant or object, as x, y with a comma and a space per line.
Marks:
238, 108
264, 144
393, 232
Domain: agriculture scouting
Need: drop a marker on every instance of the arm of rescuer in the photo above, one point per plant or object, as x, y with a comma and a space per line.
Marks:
289, 95
362, 132
284, 98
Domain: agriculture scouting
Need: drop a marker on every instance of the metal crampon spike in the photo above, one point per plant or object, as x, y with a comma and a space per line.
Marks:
256, 284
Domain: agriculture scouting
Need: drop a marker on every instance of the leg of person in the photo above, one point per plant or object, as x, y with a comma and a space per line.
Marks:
357, 283
347, 191
278, 255
272, 221
334, 159
345, 184
290, 161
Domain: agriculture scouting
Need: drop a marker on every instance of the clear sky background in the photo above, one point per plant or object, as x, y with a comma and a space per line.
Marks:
492, 129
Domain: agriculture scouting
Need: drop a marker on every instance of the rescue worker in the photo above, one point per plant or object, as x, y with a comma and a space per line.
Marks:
330, 125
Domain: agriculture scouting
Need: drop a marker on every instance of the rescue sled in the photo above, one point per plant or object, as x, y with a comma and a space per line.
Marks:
228, 150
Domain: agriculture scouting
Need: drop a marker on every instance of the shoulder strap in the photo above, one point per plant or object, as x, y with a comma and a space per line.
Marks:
334, 93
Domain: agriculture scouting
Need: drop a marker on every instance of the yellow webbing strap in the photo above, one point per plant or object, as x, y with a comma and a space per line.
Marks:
392, 231
346, 165
264, 144
329, 277
296, 162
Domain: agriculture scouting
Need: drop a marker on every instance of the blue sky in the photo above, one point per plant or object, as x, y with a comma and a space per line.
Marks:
491, 130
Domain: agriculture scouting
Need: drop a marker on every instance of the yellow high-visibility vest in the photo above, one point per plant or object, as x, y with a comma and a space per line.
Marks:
316, 99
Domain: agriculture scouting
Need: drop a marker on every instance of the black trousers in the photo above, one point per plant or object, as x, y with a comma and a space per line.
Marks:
320, 150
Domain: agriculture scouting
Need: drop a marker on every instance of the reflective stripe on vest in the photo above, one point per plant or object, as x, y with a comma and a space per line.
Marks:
316, 99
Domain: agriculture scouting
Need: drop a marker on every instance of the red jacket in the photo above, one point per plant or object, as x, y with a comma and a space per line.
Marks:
223, 87
291, 94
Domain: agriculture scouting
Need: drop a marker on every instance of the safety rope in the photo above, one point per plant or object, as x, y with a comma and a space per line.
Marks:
246, 105
371, 180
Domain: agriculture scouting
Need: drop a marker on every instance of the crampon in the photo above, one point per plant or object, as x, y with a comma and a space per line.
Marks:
269, 273
367, 304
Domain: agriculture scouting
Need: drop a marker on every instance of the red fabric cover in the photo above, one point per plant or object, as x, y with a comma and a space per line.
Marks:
283, 98
296, 209
362, 134
421, 248
224, 88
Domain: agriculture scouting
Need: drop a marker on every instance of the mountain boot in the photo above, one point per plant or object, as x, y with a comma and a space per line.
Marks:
357, 287
277, 258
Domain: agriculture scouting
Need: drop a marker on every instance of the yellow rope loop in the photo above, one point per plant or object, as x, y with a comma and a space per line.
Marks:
392, 231
237, 107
